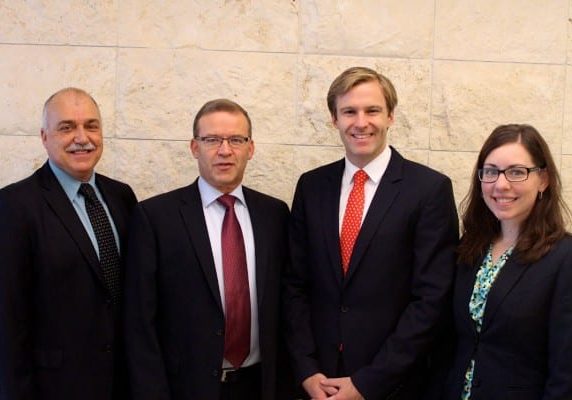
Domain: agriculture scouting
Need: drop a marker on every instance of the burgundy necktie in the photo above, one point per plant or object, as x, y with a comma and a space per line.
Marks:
236, 291
352, 218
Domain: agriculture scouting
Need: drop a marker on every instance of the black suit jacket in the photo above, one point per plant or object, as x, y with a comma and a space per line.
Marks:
524, 349
58, 331
175, 320
386, 311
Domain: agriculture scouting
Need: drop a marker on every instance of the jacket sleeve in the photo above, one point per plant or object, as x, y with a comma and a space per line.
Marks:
16, 267
296, 297
435, 239
559, 382
148, 379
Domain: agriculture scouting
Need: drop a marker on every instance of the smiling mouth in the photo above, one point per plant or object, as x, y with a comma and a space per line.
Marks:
504, 200
83, 151
361, 135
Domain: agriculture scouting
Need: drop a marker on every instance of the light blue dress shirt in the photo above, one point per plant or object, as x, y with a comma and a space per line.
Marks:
71, 187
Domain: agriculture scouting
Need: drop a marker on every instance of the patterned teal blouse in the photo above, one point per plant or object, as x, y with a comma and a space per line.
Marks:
484, 281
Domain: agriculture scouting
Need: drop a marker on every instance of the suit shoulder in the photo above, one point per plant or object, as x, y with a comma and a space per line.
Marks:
22, 189
319, 173
113, 183
423, 171
161, 200
269, 201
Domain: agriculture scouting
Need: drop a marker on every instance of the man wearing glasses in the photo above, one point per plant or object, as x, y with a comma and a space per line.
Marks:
203, 275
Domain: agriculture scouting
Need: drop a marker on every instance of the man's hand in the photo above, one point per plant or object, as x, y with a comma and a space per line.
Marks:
344, 389
312, 385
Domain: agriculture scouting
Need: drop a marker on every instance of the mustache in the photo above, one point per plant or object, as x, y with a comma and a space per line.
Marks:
80, 147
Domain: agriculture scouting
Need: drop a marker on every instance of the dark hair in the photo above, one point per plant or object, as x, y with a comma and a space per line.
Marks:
220, 105
354, 76
546, 223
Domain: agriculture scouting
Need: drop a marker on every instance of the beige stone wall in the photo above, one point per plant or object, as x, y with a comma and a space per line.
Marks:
460, 67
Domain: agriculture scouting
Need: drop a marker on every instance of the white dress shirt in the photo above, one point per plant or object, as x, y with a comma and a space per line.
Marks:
374, 170
214, 215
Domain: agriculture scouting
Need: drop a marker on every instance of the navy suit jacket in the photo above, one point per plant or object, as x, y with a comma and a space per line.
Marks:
174, 315
524, 349
60, 337
386, 312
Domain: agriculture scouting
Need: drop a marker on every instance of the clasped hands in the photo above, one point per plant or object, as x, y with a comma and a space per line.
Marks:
319, 387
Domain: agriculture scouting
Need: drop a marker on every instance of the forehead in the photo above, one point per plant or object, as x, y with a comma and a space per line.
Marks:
72, 106
223, 122
509, 154
369, 92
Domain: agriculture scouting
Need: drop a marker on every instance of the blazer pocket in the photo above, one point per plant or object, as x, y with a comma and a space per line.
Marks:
48, 358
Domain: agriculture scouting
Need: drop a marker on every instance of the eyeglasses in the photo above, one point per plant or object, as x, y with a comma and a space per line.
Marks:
216, 141
512, 174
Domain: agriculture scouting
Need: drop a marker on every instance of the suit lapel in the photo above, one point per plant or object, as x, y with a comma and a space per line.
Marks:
465, 282
260, 232
110, 199
60, 204
194, 219
384, 196
507, 278
330, 209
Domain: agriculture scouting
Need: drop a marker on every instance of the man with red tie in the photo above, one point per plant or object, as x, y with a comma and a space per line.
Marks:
203, 276
372, 242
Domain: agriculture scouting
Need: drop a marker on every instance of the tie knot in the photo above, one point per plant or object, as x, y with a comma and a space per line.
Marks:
86, 190
360, 177
227, 200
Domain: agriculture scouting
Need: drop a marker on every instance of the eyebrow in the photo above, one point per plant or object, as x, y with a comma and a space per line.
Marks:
73, 122
490, 165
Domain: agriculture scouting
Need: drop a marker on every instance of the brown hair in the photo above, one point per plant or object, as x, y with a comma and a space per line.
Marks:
354, 76
220, 105
546, 223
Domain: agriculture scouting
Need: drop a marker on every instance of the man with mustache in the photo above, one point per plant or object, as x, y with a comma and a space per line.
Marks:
62, 232
372, 249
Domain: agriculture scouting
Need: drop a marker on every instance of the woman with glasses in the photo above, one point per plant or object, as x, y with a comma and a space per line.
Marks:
513, 289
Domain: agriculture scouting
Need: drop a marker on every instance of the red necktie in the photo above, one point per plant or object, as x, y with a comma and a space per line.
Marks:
352, 218
236, 292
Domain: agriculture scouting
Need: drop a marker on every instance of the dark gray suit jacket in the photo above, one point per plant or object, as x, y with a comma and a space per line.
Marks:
387, 311
60, 338
524, 349
175, 320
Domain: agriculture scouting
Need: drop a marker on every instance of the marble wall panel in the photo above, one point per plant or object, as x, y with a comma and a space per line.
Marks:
161, 90
471, 99
30, 74
264, 25
394, 28
75, 22
533, 31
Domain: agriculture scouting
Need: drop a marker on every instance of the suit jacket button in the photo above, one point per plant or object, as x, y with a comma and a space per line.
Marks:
215, 372
344, 309
108, 348
218, 332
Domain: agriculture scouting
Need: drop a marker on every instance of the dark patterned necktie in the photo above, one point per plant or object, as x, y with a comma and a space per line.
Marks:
108, 253
236, 292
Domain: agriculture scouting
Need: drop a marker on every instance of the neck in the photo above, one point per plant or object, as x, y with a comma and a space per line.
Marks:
509, 233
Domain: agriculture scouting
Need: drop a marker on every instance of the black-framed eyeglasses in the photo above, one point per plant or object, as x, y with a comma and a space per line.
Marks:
512, 174
216, 141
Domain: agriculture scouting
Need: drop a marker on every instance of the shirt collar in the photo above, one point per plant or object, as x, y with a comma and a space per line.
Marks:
69, 183
374, 169
209, 194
